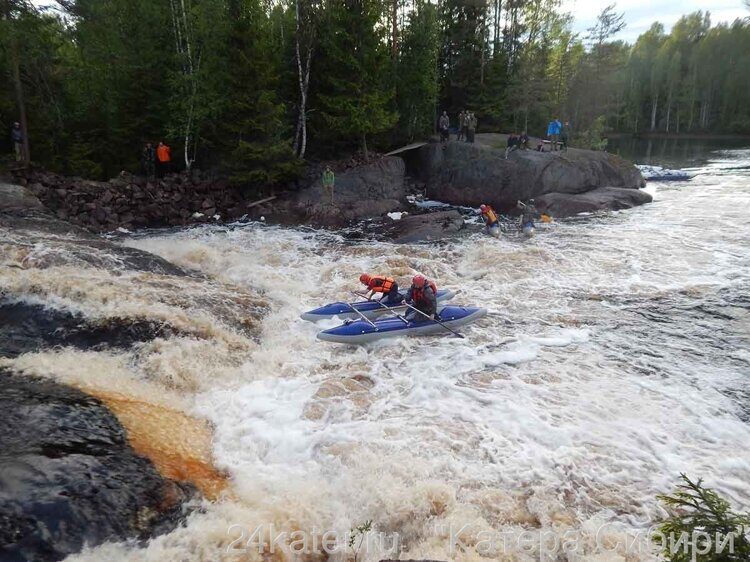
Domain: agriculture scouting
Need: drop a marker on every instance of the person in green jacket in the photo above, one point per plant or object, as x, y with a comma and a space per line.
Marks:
327, 182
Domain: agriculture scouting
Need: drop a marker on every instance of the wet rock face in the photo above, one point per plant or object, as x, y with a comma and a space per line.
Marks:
602, 199
26, 328
425, 227
362, 191
68, 476
472, 174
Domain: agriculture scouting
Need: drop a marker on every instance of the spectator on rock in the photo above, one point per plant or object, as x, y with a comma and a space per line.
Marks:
444, 126
513, 142
471, 126
327, 181
16, 136
564, 135
523, 141
148, 161
464, 126
553, 132
163, 159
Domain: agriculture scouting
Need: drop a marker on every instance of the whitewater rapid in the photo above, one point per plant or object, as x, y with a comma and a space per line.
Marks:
616, 356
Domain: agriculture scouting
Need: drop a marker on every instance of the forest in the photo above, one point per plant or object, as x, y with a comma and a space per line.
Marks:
253, 88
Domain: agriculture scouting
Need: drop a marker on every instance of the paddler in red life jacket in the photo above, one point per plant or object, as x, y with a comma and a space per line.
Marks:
423, 296
490, 216
387, 286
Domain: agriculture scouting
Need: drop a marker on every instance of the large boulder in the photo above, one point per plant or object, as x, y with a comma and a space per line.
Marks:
425, 227
68, 476
360, 192
471, 174
601, 199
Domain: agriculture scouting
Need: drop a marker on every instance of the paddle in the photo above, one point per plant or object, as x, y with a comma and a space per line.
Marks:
436, 321
365, 318
390, 309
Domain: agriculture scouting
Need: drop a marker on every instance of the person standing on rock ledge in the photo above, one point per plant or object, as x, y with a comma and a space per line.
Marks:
553, 132
463, 125
148, 161
16, 135
327, 182
163, 159
444, 126
471, 126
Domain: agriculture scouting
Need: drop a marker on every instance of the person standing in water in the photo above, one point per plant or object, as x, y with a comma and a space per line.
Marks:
529, 214
327, 182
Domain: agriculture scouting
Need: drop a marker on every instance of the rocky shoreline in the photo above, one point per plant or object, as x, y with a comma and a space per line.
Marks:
456, 173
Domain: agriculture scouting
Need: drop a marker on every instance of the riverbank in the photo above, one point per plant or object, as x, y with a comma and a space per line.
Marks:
458, 173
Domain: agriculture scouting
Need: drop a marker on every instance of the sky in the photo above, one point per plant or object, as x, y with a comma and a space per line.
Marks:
640, 14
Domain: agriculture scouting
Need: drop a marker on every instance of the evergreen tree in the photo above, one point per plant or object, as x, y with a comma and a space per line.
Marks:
417, 78
354, 95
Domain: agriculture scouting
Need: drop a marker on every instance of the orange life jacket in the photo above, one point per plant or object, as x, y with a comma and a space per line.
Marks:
380, 284
417, 293
489, 215
163, 153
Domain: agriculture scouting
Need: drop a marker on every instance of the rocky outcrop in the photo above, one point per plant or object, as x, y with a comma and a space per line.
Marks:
28, 327
601, 199
24, 218
425, 227
471, 174
130, 201
363, 191
68, 476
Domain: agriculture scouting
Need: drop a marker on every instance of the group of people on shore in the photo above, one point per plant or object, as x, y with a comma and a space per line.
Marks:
156, 162
467, 126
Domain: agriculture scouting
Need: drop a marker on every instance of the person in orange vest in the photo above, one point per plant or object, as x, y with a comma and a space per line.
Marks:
490, 220
387, 286
163, 159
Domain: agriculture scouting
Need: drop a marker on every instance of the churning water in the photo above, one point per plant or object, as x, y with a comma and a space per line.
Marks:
617, 356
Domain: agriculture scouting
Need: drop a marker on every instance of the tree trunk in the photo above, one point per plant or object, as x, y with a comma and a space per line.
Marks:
654, 106
394, 29
364, 147
15, 64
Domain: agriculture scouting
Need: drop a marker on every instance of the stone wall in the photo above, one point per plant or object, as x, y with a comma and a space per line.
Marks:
130, 201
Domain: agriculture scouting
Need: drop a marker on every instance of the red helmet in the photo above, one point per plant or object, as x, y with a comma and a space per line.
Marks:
419, 281
365, 279
482, 208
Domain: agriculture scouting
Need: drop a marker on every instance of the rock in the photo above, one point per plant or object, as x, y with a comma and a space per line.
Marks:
68, 477
426, 227
15, 198
601, 199
471, 174
362, 191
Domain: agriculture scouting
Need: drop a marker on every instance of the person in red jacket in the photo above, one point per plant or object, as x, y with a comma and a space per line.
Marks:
163, 159
423, 296
387, 286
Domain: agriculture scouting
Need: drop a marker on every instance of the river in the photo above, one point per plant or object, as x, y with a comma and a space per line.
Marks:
616, 356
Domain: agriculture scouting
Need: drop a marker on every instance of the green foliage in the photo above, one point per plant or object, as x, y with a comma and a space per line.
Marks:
700, 515
253, 134
354, 95
417, 73
218, 79
593, 137
357, 536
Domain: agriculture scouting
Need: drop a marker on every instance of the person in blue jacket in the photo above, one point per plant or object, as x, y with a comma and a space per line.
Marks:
553, 132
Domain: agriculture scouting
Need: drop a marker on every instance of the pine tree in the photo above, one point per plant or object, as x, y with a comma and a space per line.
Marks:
354, 96
255, 140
